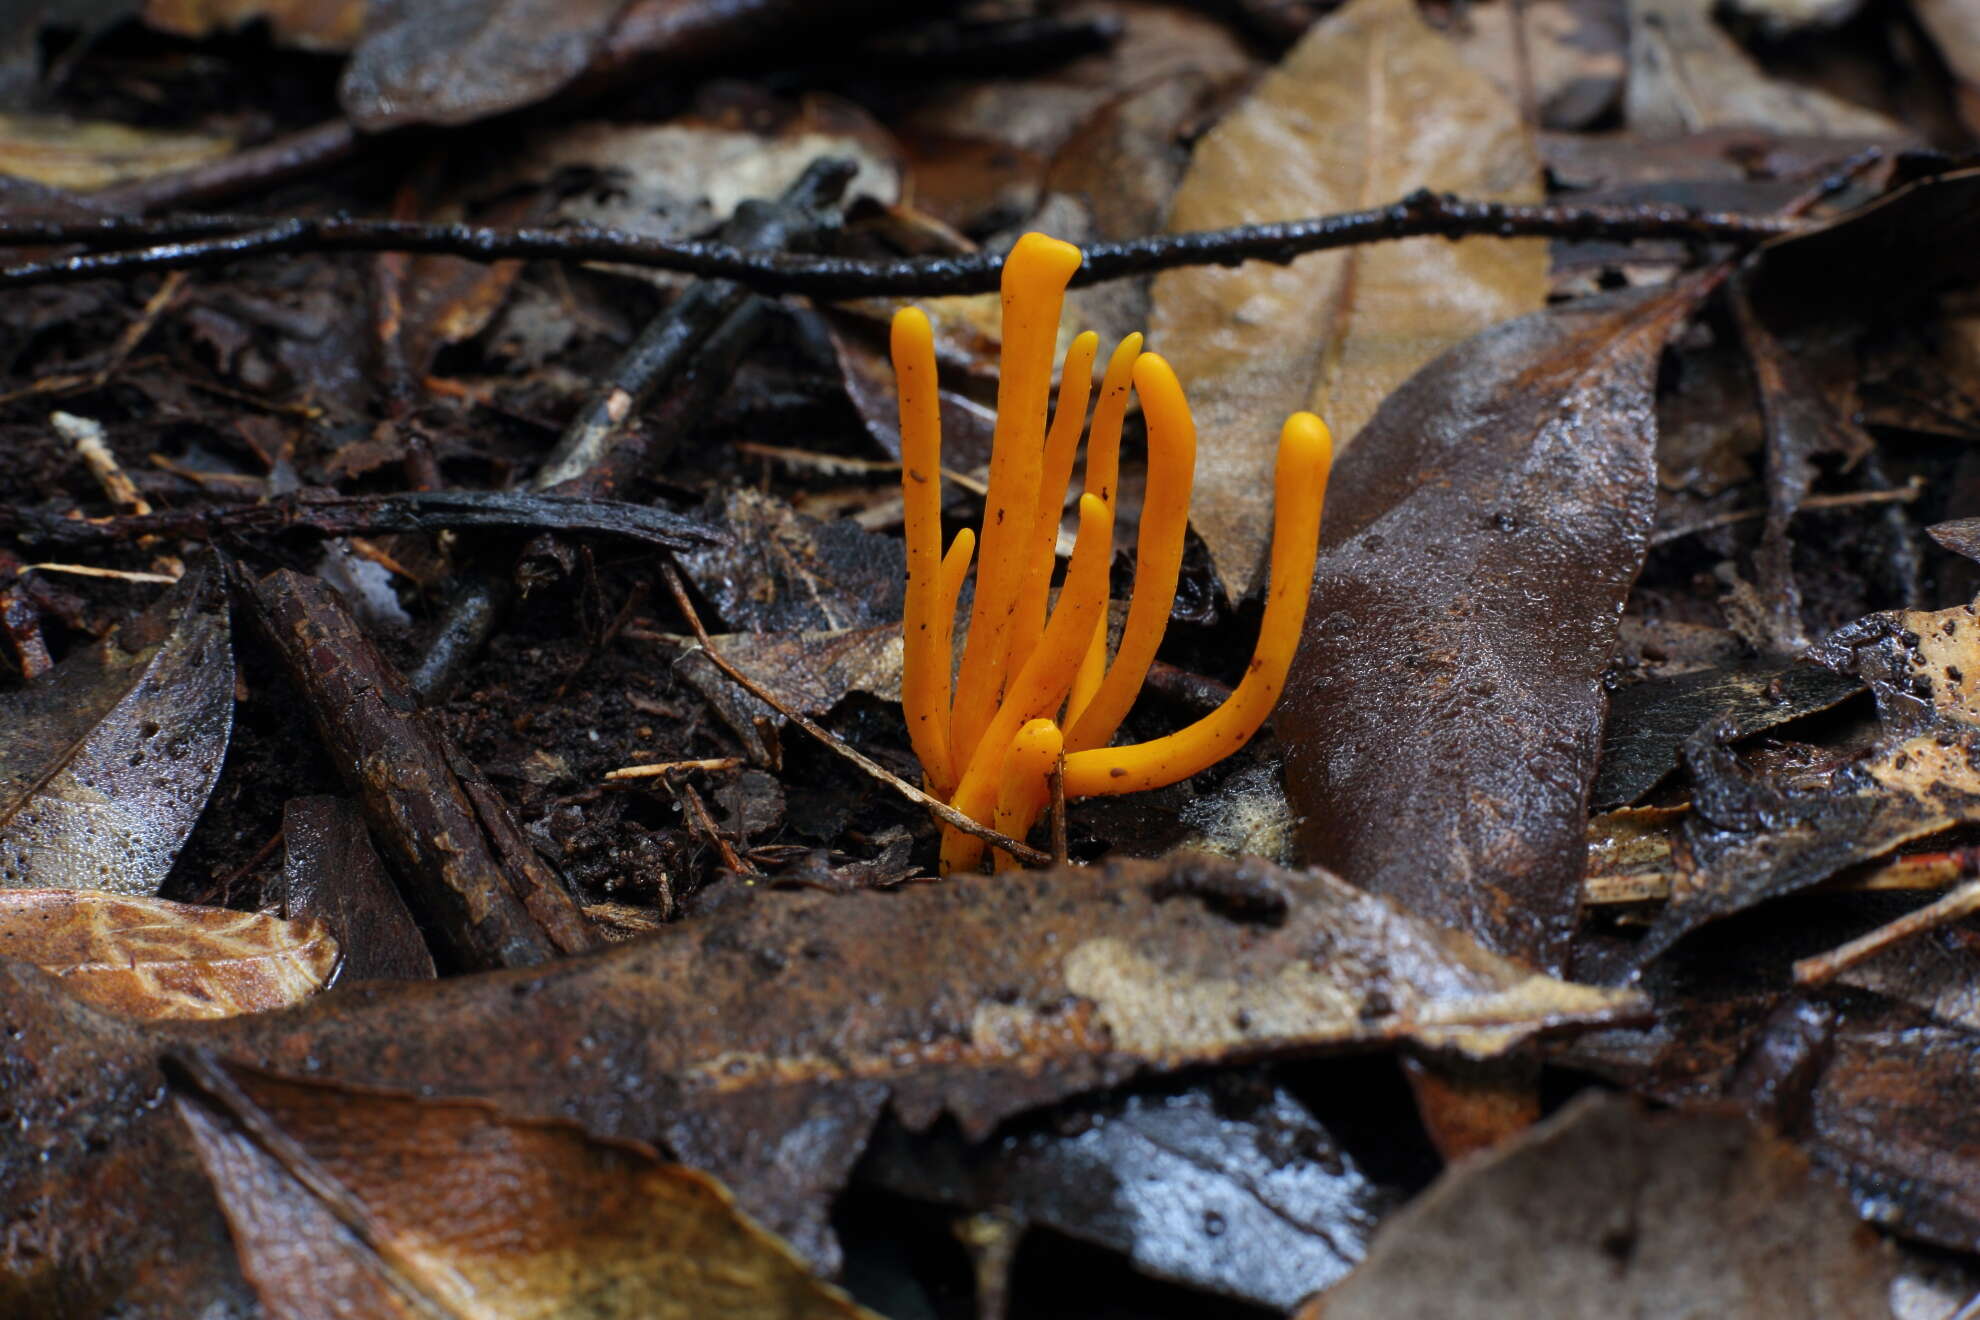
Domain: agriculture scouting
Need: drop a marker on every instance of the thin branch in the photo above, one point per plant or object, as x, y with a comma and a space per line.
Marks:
658, 769
281, 160
1845, 500
1060, 855
1957, 905
187, 241
947, 814
705, 823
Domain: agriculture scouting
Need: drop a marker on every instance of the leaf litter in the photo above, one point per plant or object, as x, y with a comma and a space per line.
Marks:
1074, 1055
796, 1017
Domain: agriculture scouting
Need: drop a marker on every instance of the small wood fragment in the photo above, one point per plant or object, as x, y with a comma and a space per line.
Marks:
444, 842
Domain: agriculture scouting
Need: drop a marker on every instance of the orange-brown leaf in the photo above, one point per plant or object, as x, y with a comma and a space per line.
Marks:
447, 1202
149, 958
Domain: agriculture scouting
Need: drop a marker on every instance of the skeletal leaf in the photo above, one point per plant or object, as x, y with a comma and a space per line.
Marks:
106, 763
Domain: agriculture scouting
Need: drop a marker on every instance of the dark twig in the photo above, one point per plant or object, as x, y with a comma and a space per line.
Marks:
461, 862
670, 342
1060, 855
290, 157
947, 814
712, 316
215, 240
1848, 499
370, 515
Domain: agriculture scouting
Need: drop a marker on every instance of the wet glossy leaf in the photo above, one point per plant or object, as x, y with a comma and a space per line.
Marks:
1245, 1195
332, 874
147, 958
1372, 104
1875, 1086
348, 1202
1649, 721
106, 763
1889, 1112
1445, 708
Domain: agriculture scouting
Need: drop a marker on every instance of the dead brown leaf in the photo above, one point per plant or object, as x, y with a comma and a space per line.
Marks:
1649, 721
780, 571
1372, 104
353, 1202
682, 178
1754, 836
1445, 709
1607, 1209
1955, 28
331, 25
148, 958
66, 153
813, 672
1875, 1082
983, 147
1576, 55
456, 61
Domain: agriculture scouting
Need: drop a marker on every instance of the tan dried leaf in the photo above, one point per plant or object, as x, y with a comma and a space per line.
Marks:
149, 958
1371, 105
328, 25
1687, 75
86, 154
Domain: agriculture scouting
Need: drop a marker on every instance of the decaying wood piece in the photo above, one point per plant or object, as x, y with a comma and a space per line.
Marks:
448, 845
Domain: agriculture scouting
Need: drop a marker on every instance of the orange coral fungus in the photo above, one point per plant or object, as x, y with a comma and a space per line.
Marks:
1035, 691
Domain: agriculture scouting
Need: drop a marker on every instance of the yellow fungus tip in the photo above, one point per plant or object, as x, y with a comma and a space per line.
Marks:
913, 322
1043, 257
1307, 439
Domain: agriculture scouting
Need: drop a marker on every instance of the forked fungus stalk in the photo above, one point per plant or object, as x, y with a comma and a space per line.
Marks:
1035, 690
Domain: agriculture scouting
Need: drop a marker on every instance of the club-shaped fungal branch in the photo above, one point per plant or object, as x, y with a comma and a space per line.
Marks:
1035, 691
